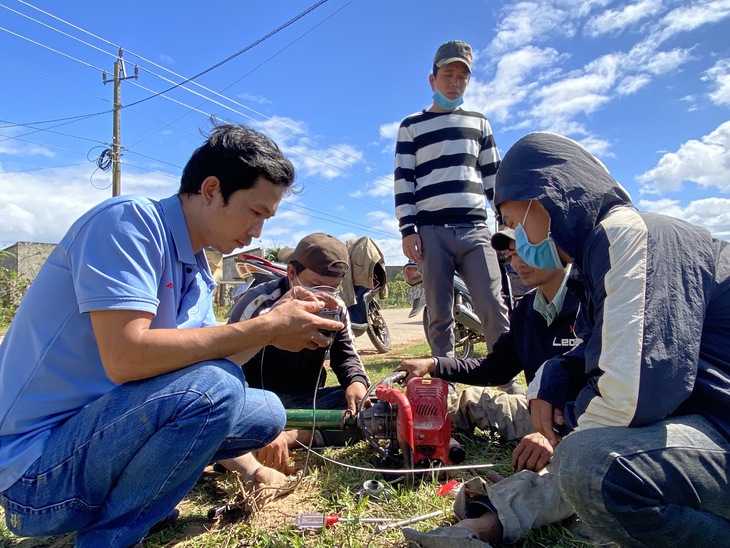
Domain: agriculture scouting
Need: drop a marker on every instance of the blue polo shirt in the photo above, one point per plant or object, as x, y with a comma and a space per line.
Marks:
127, 253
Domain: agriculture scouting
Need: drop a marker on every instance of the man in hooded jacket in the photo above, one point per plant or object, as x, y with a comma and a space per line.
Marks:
647, 458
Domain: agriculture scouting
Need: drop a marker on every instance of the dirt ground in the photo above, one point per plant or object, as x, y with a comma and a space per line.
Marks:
403, 330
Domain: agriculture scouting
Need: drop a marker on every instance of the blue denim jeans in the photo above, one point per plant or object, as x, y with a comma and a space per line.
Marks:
124, 461
661, 485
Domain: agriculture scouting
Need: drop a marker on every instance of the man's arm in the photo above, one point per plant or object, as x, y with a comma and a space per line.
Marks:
498, 367
250, 305
130, 350
643, 352
346, 364
405, 187
488, 163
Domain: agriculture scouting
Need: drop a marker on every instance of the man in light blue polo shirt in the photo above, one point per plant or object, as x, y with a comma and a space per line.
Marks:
113, 398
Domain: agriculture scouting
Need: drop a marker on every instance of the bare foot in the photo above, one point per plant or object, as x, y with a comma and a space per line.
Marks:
261, 483
265, 477
487, 528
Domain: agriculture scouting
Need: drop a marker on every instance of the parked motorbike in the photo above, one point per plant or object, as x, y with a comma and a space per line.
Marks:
467, 325
364, 312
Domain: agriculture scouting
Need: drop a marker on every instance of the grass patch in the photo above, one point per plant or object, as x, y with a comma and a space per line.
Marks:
327, 489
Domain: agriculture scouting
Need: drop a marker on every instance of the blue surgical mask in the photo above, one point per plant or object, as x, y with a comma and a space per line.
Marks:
543, 255
446, 103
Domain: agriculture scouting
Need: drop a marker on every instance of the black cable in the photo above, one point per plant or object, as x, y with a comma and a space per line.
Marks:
231, 57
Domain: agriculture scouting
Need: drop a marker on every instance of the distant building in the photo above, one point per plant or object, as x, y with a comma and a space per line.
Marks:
19, 264
25, 258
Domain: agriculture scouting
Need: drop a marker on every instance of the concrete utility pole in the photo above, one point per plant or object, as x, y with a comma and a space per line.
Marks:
119, 74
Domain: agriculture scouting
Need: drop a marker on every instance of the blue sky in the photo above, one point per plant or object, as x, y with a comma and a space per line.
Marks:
644, 85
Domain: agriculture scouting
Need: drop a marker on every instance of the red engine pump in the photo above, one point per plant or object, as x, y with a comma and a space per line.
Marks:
423, 423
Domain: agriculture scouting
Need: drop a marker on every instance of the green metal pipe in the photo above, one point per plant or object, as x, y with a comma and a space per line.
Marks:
324, 419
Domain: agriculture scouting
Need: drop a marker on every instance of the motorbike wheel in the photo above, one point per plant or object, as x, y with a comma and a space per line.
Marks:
377, 328
463, 343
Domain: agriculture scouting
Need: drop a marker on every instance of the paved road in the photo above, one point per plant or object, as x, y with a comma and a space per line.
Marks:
403, 330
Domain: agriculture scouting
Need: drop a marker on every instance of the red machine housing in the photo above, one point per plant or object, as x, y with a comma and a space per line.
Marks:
423, 423
431, 421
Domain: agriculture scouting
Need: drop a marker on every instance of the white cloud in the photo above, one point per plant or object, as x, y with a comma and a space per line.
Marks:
663, 62
616, 20
517, 76
41, 207
12, 143
631, 84
689, 18
520, 26
581, 92
288, 218
313, 157
260, 99
389, 131
381, 187
704, 162
719, 77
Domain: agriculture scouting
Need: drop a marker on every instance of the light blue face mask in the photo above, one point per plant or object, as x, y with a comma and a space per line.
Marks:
446, 103
543, 255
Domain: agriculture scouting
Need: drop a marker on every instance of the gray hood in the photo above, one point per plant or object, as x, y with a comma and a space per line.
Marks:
572, 185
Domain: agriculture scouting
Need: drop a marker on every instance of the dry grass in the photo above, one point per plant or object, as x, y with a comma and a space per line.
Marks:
328, 488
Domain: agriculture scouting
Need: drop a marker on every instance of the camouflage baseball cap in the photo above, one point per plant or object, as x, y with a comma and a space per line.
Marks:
453, 50
323, 254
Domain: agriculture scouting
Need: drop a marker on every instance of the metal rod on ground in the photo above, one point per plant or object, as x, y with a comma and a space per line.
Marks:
424, 517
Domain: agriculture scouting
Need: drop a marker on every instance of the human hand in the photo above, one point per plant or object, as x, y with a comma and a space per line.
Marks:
276, 455
295, 325
417, 367
412, 247
544, 417
299, 293
532, 453
354, 395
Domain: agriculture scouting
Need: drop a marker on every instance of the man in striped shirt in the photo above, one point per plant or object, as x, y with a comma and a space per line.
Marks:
445, 165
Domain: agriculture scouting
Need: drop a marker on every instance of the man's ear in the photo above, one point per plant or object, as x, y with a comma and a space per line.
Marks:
432, 82
209, 188
291, 273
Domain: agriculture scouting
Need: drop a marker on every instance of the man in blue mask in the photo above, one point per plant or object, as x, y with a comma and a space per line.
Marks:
445, 165
645, 457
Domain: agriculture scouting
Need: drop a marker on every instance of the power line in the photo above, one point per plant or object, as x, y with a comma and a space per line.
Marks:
187, 80
342, 154
41, 168
59, 84
51, 49
46, 130
155, 94
231, 57
57, 30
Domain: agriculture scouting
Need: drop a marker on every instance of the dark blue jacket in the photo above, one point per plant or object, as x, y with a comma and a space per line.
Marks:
528, 343
286, 372
655, 318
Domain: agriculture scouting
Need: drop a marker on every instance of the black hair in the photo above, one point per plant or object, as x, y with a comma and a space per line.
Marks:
238, 156
298, 267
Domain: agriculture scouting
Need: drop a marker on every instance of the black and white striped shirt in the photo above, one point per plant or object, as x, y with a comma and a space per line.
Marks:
445, 164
